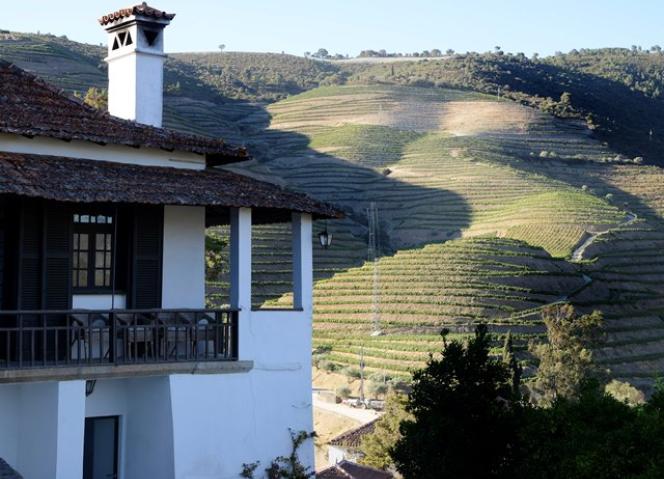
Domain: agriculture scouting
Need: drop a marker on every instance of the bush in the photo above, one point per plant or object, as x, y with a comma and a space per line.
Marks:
343, 392
327, 366
351, 372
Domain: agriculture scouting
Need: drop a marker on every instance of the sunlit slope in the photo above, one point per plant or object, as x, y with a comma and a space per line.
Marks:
445, 165
435, 169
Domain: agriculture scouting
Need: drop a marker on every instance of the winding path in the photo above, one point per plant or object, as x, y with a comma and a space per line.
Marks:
577, 254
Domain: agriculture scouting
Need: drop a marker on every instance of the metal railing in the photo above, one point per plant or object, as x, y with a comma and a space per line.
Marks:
42, 339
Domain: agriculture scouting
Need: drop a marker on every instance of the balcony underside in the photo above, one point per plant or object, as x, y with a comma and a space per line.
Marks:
118, 371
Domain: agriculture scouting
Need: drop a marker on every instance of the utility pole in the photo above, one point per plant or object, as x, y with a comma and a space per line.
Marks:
372, 256
362, 375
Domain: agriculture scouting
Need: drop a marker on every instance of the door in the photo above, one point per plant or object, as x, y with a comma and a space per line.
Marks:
100, 454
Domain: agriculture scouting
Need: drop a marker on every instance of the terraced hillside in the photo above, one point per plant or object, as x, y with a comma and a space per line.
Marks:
482, 204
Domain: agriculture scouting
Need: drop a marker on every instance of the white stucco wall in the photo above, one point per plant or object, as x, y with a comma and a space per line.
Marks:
184, 257
92, 151
146, 432
41, 428
221, 422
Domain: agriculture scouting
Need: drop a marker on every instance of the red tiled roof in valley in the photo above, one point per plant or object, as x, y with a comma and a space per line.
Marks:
350, 470
31, 107
353, 438
91, 181
143, 10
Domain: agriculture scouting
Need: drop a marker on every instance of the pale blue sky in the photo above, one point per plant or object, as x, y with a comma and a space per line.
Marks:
348, 26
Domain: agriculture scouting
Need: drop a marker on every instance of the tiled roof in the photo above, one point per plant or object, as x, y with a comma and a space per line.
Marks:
31, 107
6, 472
143, 9
92, 181
353, 438
351, 470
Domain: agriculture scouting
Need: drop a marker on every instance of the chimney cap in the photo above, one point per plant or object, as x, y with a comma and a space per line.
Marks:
143, 10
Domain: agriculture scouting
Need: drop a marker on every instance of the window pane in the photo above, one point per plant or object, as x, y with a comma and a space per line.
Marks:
101, 219
76, 218
99, 260
85, 218
100, 241
83, 278
75, 265
109, 243
99, 277
83, 260
83, 246
108, 260
74, 279
107, 277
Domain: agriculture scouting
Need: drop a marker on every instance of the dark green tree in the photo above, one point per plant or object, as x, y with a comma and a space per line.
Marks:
464, 416
592, 436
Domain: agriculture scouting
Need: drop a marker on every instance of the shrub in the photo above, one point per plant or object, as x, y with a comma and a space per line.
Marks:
343, 392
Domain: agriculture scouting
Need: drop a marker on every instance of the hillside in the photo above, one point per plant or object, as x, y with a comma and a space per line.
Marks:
526, 189
487, 209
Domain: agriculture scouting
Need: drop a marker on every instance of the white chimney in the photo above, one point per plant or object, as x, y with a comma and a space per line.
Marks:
136, 63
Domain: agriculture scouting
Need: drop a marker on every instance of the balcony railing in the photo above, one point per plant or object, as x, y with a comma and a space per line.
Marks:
45, 339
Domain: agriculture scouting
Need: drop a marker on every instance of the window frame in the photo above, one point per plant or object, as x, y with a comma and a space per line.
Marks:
92, 230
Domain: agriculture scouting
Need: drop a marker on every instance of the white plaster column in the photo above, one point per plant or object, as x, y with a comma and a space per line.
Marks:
183, 276
240, 297
51, 430
71, 429
302, 263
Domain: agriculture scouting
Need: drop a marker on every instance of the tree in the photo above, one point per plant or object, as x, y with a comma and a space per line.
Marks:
376, 446
510, 361
96, 98
464, 415
436, 53
565, 361
449, 52
592, 436
322, 53
222, 47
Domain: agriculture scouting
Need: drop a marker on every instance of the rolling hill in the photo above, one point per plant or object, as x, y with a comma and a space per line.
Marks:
488, 208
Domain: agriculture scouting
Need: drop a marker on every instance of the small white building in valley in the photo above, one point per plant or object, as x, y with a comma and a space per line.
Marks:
111, 366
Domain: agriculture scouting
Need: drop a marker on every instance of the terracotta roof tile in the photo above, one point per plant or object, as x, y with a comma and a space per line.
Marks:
143, 9
31, 107
92, 181
351, 470
353, 438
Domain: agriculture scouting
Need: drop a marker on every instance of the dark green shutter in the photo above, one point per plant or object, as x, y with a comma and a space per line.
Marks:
57, 292
30, 271
148, 232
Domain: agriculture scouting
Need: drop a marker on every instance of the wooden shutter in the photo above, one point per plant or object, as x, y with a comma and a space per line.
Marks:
30, 277
57, 291
148, 232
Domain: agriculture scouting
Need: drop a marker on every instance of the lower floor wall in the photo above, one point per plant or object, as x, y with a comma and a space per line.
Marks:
170, 427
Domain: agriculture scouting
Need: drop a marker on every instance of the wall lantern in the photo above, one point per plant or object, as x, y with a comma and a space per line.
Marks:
325, 238
90, 386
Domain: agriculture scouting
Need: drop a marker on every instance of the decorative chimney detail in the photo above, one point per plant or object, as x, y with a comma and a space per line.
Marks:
136, 63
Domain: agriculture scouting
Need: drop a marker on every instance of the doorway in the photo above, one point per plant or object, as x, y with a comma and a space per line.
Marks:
100, 452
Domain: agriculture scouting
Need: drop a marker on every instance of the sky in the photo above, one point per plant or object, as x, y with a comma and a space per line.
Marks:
349, 26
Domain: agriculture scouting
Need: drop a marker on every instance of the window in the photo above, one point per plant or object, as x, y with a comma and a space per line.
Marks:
92, 267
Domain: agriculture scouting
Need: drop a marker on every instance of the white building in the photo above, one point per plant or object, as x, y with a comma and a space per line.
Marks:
110, 365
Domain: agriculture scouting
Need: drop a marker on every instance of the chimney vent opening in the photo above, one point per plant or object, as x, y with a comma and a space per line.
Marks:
151, 36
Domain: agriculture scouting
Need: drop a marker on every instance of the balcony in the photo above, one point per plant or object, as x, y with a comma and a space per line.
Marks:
84, 344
